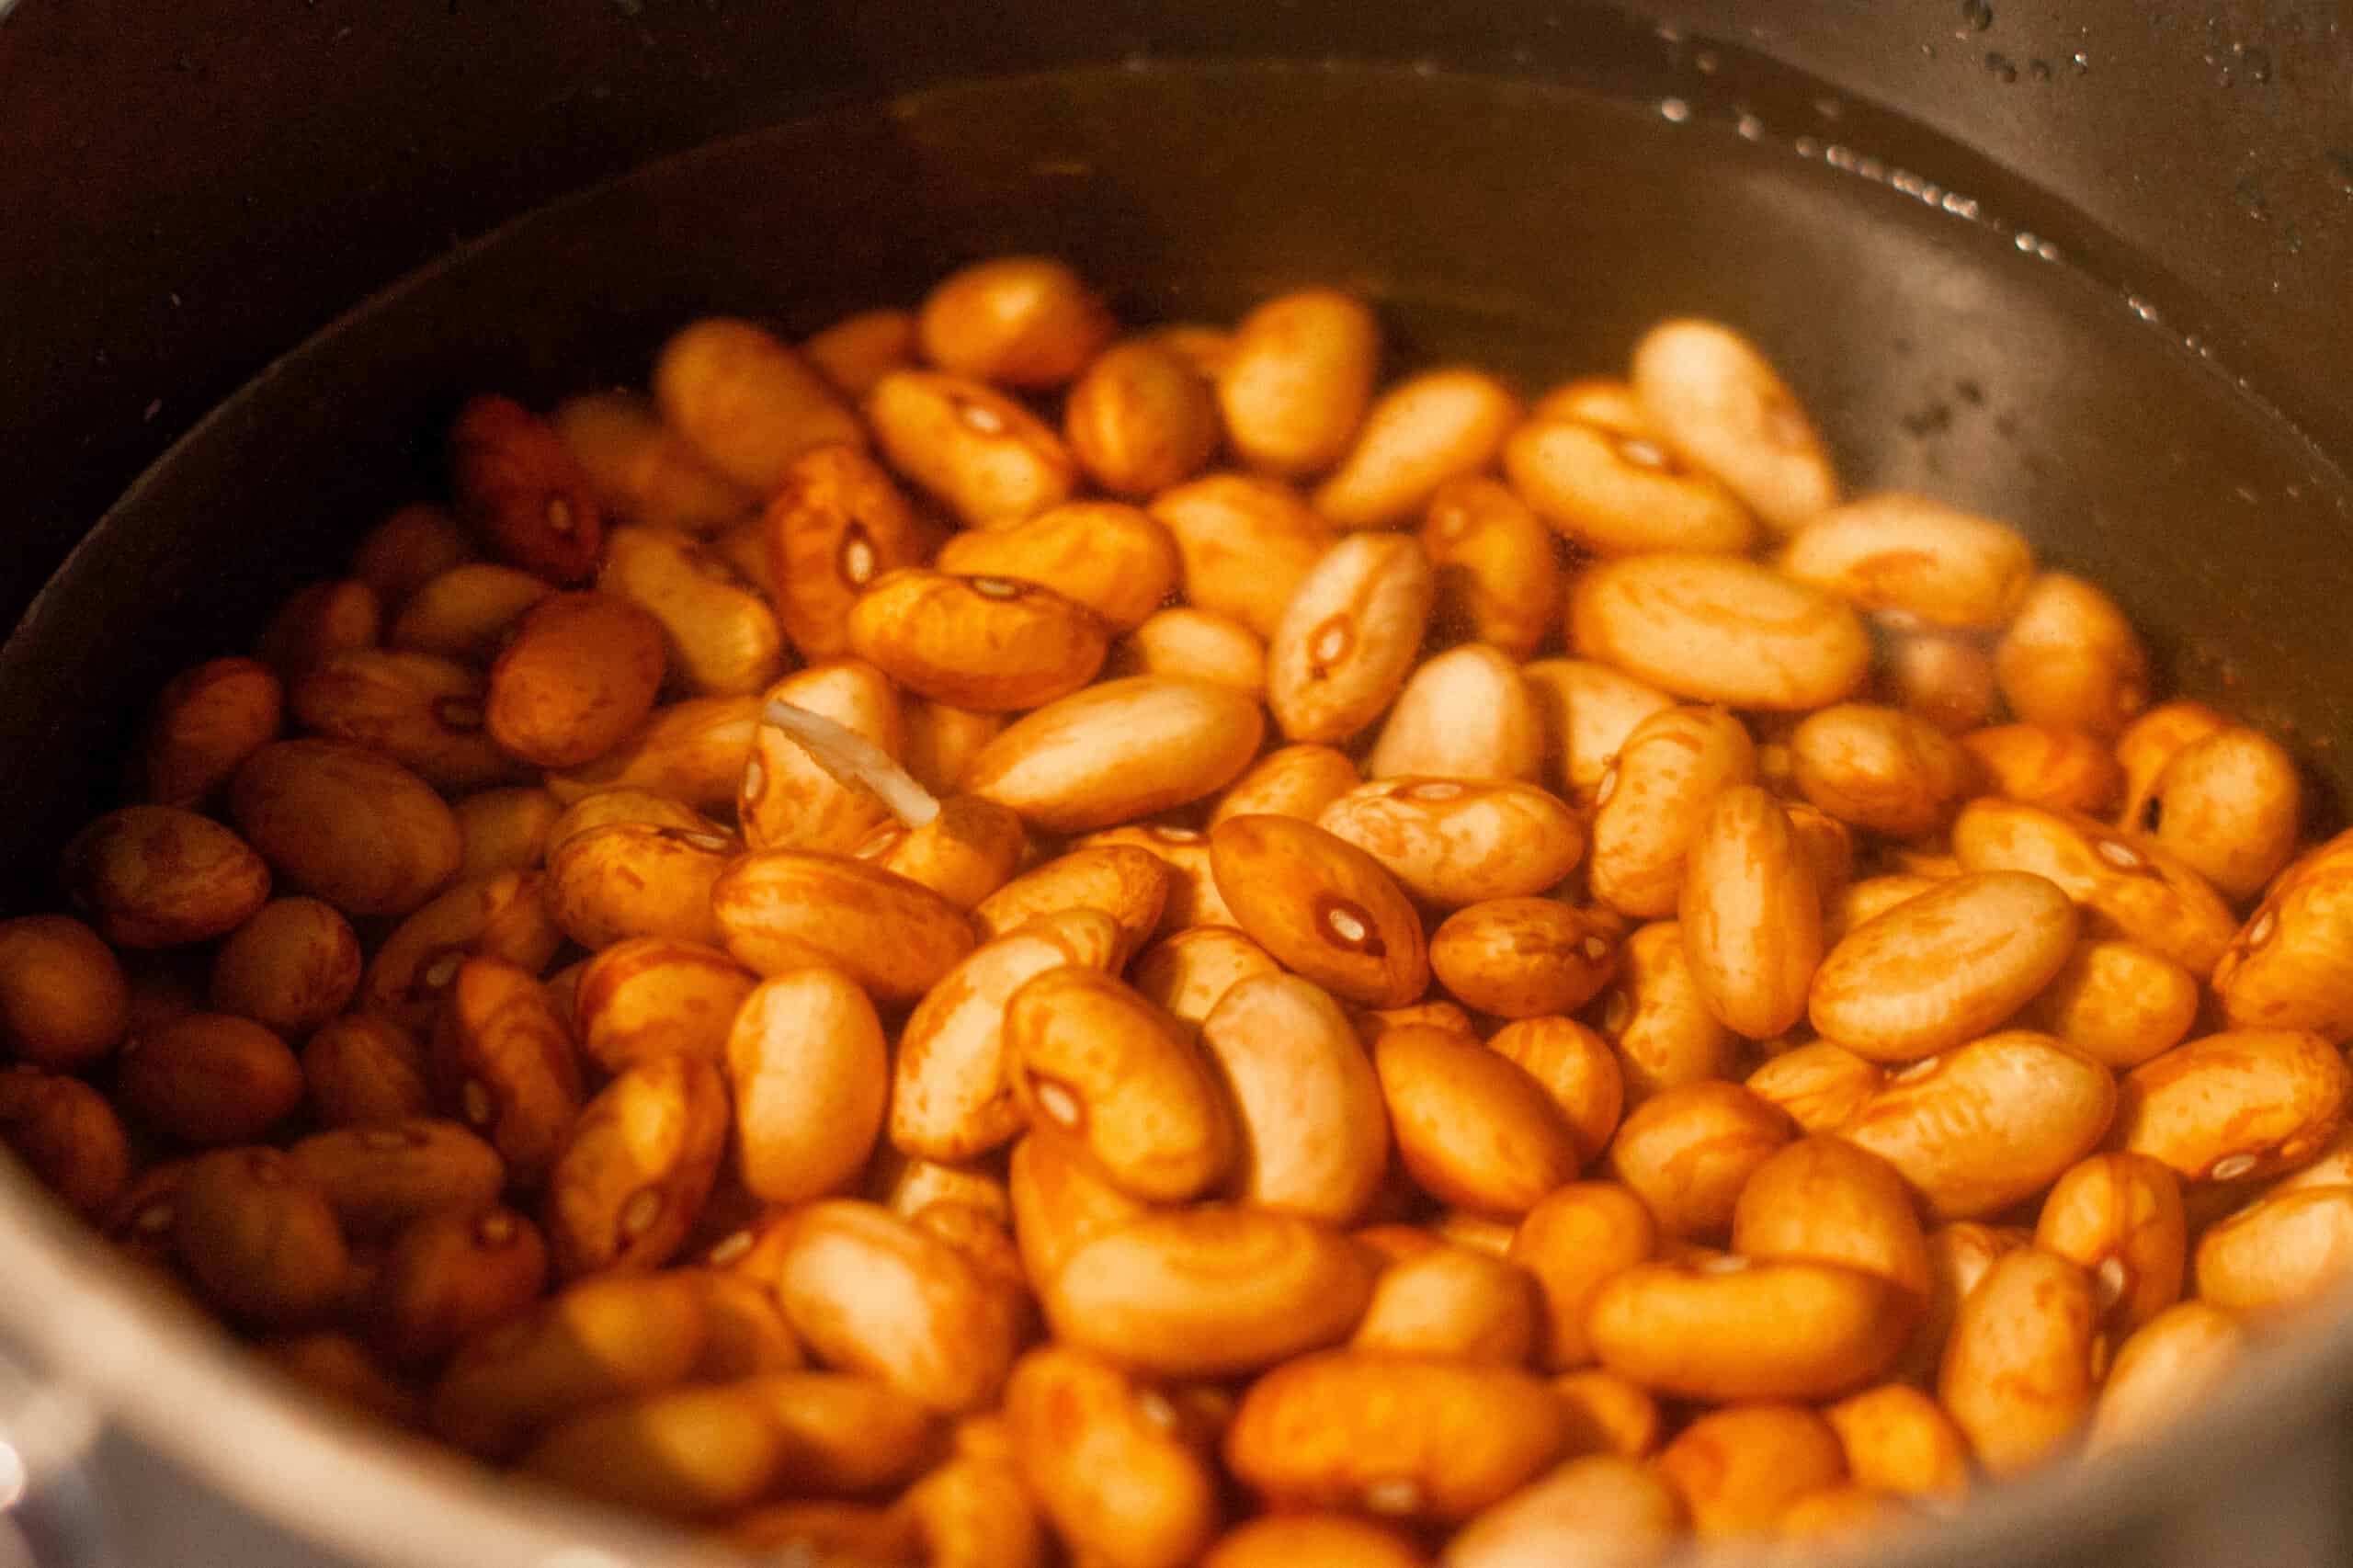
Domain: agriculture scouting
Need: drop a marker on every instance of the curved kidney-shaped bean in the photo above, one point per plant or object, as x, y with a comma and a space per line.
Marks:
1349, 637
206, 721
1020, 321
347, 823
1452, 1300
1594, 464
1689, 1150
1651, 799
382, 1179
642, 470
1977, 1129
747, 401
1246, 542
1574, 1241
578, 676
1123, 749
784, 909
2070, 658
1823, 1200
1110, 1460
1751, 913
465, 614
807, 1070
1141, 419
872, 1294
1599, 1511
1098, 1061
1943, 967
993, 644
1296, 379
1324, 907
1196, 644
2117, 1002
424, 711
1734, 1330
1109, 558
1737, 1471
1723, 406
209, 1079
834, 522
2168, 1367
65, 1001
1914, 560
1573, 1065
1312, 1131
2244, 1104
986, 457
1881, 769
2290, 966
1717, 629
2130, 889
630, 1180
519, 489
1424, 431
2120, 1218
1401, 1437
1452, 842
1464, 714
1209, 1291
504, 1059
161, 876
953, 1093
290, 968
1492, 564
723, 637
1471, 1127
2278, 1253
1662, 1028
2023, 1366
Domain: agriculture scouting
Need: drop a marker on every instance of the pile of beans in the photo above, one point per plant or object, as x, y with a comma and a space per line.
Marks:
982, 942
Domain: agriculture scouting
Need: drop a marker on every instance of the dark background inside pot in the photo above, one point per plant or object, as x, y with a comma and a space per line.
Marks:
187, 196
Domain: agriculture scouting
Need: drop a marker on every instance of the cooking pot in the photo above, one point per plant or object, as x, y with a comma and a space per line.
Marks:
2088, 268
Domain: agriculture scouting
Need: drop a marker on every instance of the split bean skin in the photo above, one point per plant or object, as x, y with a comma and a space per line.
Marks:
997, 936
